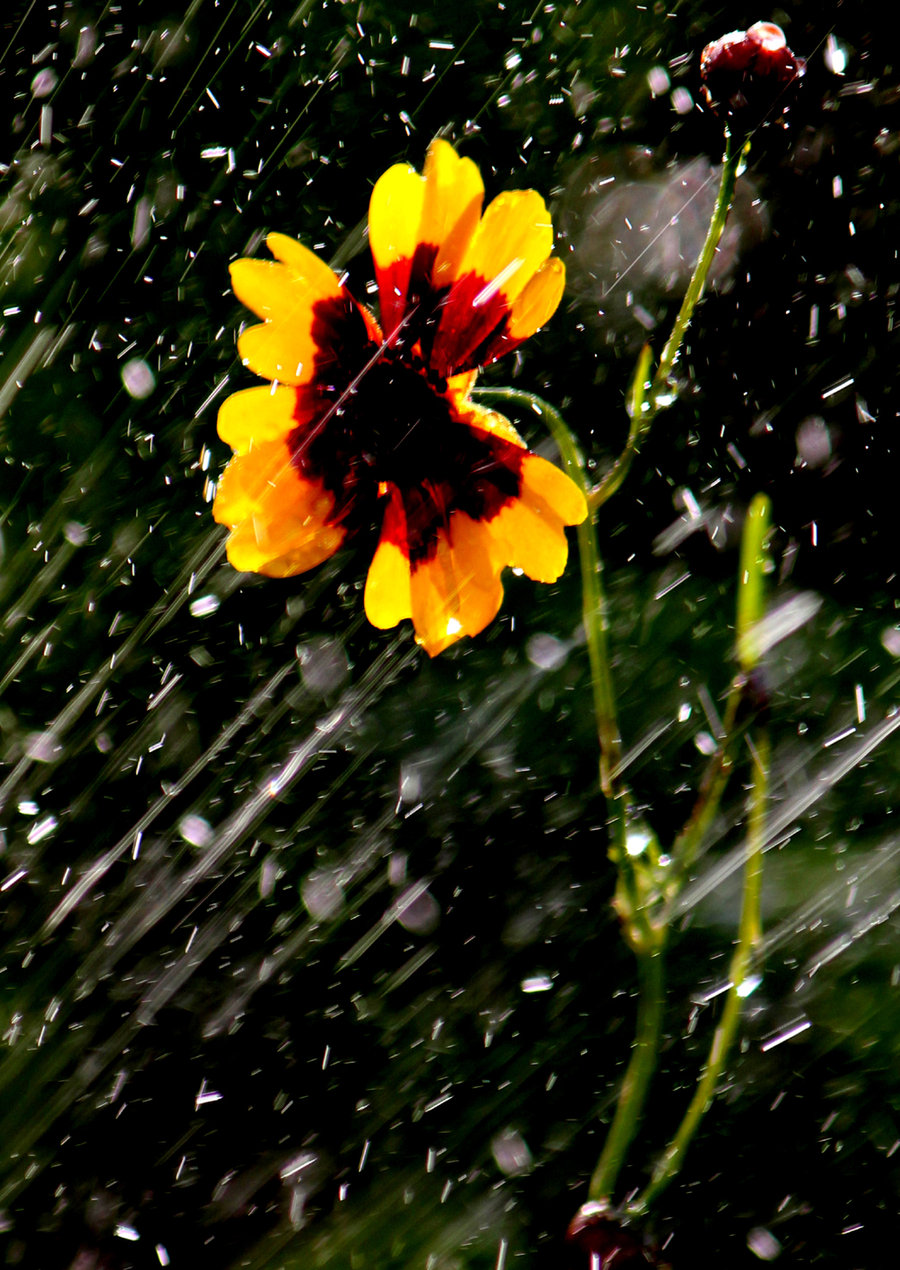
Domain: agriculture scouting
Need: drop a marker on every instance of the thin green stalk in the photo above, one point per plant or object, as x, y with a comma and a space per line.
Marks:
647, 398
754, 567
637, 897
640, 420
741, 985
596, 624
638, 1075
761, 747
650, 940
712, 788
730, 165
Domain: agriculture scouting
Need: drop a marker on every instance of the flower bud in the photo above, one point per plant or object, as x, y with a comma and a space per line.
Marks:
745, 73
596, 1231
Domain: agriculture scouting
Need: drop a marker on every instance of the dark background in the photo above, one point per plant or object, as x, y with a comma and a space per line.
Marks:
289, 1018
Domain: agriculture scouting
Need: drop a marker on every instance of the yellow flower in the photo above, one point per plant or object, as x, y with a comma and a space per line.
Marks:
363, 420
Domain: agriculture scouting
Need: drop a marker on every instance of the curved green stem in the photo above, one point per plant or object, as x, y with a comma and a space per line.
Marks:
740, 986
730, 165
754, 566
648, 396
594, 611
640, 421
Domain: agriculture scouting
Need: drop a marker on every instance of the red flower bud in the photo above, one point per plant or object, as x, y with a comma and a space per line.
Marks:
745, 73
605, 1242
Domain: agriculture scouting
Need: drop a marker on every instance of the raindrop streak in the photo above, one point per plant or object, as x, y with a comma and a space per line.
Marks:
791, 809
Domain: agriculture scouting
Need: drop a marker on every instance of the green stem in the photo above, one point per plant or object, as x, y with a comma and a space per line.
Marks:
596, 628
730, 164
638, 1074
640, 420
740, 985
646, 399
754, 567
594, 610
712, 788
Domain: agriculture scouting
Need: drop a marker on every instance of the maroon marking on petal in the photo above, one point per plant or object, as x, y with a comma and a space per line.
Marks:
322, 445
406, 295
474, 316
341, 338
497, 345
393, 284
458, 328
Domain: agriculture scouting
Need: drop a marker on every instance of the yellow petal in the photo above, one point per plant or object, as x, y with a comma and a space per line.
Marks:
471, 555
491, 421
279, 519
278, 292
395, 213
532, 539
513, 240
456, 591
278, 351
255, 415
544, 480
509, 246
538, 301
284, 292
528, 533
319, 277
454, 193
387, 597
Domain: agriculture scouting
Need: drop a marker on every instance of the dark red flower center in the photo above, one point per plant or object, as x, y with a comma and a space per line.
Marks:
379, 416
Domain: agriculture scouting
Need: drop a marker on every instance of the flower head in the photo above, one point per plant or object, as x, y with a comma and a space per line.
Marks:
364, 420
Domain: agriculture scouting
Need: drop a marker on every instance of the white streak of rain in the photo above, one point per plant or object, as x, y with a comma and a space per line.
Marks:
791, 810
206, 556
93, 875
